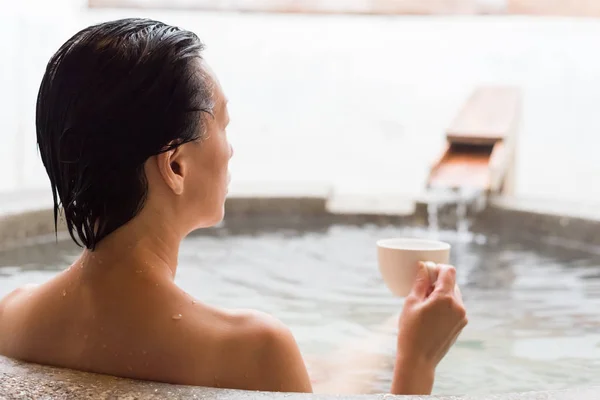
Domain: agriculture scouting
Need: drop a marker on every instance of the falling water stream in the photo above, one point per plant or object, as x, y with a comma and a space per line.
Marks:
460, 202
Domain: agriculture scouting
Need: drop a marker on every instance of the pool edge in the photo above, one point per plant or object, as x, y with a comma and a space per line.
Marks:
25, 222
38, 381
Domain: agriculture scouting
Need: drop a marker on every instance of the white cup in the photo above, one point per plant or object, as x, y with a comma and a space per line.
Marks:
399, 259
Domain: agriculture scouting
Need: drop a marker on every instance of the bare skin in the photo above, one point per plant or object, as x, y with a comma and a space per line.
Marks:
117, 310
160, 333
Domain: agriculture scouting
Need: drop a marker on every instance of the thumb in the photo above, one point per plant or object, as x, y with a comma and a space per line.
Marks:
422, 284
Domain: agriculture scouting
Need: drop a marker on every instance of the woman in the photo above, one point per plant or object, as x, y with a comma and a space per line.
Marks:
131, 126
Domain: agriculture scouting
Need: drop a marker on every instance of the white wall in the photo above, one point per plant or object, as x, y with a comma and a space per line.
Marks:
31, 30
351, 100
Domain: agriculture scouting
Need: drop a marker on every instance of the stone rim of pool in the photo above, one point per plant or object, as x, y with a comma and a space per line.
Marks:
24, 220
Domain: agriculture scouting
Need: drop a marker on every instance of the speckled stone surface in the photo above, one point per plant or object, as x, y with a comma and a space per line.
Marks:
30, 381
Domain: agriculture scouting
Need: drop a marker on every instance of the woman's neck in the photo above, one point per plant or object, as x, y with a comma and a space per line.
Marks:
136, 247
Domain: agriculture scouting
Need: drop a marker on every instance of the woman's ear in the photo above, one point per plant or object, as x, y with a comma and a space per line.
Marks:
171, 167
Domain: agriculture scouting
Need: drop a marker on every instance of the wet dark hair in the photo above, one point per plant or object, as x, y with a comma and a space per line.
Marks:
114, 95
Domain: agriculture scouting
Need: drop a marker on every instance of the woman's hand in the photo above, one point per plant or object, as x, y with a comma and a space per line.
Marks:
432, 318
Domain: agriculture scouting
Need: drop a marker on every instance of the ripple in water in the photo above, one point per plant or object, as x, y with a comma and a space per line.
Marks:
533, 309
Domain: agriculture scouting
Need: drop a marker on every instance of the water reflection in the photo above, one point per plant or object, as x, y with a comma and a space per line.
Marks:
533, 308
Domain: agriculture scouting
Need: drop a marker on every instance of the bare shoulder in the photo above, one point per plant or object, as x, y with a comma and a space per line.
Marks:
14, 296
277, 364
257, 331
9, 309
256, 322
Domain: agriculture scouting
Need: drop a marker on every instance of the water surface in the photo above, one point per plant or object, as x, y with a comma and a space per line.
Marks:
533, 309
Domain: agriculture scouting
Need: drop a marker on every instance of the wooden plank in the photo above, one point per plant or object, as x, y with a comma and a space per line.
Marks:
489, 115
498, 166
440, 158
459, 168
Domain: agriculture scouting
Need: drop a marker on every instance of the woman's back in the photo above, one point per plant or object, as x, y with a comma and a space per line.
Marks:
133, 324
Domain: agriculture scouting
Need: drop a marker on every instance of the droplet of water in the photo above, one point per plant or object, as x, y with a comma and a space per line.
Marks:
104, 346
138, 271
85, 336
144, 352
64, 292
129, 368
177, 316
131, 353
155, 390
193, 301
146, 363
100, 261
156, 285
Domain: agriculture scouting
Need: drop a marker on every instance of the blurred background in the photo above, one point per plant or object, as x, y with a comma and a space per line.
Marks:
354, 95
